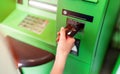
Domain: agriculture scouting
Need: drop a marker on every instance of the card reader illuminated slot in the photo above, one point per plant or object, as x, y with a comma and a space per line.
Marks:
73, 27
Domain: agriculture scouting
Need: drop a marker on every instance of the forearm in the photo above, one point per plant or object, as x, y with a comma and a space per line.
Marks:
65, 44
59, 64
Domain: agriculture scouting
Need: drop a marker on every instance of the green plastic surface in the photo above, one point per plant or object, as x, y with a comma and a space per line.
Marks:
76, 67
105, 35
96, 35
42, 69
6, 7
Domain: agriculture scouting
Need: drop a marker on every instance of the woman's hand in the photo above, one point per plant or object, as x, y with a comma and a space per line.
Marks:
65, 44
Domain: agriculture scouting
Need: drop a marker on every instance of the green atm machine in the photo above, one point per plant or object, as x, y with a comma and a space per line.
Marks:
89, 21
30, 21
30, 25
93, 20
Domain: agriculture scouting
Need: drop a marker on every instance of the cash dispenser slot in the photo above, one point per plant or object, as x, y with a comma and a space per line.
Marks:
75, 49
44, 6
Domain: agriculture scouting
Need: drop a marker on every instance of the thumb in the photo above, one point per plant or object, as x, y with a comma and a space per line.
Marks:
71, 39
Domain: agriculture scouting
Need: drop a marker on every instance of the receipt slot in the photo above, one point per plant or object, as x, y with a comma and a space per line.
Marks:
90, 22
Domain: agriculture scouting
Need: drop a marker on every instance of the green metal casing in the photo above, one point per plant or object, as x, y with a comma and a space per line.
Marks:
95, 36
13, 13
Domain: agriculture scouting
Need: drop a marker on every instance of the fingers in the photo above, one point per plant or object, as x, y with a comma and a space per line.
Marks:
71, 39
58, 33
62, 34
57, 39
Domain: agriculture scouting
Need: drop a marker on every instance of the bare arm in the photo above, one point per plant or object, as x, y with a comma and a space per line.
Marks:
65, 44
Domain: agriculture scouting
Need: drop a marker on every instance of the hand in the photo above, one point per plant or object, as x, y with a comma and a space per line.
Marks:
65, 43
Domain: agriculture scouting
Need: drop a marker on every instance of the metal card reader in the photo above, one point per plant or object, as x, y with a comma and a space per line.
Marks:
73, 27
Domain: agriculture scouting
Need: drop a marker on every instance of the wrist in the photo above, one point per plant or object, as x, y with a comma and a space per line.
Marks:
61, 56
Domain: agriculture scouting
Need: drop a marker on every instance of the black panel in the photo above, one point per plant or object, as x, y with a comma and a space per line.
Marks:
77, 15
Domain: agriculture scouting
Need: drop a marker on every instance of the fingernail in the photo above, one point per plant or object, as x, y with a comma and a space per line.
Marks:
62, 27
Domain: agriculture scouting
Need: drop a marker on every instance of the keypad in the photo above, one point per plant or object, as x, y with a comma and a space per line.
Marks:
34, 24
